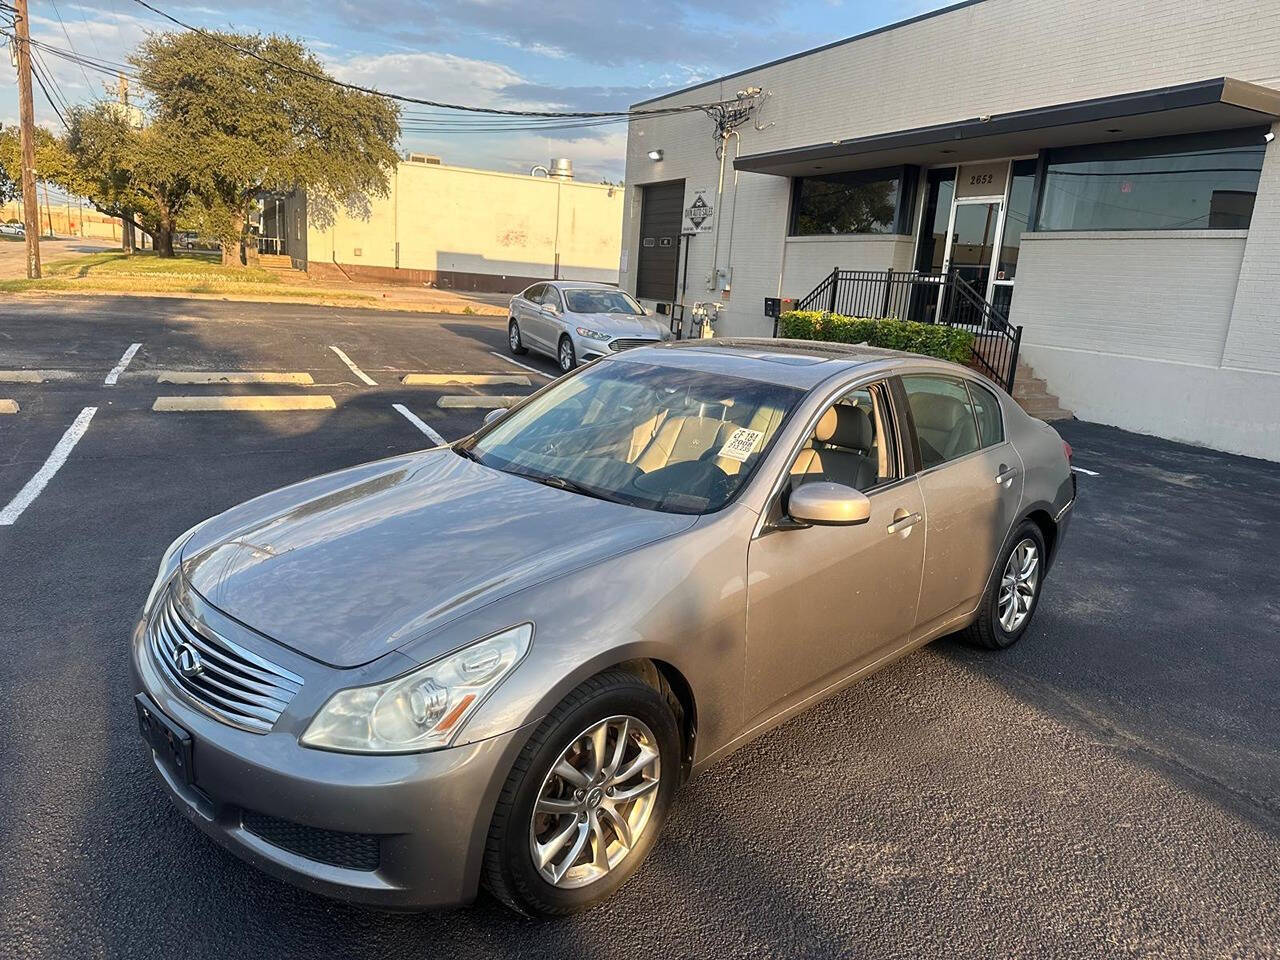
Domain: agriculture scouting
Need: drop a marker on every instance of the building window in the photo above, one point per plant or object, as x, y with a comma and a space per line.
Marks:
1198, 182
868, 201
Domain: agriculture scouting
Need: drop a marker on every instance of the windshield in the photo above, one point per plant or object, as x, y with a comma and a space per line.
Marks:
601, 301
678, 441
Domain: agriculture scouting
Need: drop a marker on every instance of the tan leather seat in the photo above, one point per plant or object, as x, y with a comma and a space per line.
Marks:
680, 439
944, 425
840, 451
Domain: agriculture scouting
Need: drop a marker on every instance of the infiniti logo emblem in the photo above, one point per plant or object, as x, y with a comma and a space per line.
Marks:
188, 661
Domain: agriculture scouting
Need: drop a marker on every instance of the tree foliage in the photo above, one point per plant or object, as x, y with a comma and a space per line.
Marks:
263, 118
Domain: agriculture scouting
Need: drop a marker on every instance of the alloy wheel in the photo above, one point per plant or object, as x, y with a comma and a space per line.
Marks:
513, 336
1018, 585
595, 802
566, 355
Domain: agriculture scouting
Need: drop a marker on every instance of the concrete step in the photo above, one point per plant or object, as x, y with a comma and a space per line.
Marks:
1030, 387
275, 260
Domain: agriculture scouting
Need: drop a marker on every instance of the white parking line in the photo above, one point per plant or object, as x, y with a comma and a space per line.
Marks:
413, 418
118, 369
368, 380
56, 459
1087, 473
519, 364
9, 406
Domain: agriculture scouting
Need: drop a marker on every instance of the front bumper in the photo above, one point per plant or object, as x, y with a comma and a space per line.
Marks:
587, 348
428, 813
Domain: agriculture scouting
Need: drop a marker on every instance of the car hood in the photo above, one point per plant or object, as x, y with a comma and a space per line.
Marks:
347, 567
620, 324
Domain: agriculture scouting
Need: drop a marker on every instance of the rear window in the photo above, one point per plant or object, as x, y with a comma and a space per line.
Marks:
987, 407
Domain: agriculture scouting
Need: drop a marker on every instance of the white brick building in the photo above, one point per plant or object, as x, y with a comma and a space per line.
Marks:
1100, 173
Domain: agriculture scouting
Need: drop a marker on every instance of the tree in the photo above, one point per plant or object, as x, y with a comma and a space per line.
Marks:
53, 163
267, 119
143, 175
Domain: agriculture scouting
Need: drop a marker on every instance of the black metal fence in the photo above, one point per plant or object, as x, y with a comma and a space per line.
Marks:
947, 298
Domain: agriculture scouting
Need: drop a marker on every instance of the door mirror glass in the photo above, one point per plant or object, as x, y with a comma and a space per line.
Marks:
828, 504
493, 415
550, 308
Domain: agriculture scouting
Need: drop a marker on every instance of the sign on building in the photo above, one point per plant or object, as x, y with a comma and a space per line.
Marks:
698, 214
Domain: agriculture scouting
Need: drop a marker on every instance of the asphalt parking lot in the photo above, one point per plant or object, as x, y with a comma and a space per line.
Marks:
1111, 786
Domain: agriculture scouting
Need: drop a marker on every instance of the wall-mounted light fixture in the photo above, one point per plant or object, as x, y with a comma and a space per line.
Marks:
655, 155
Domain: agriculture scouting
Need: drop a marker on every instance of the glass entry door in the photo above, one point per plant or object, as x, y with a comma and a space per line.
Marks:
971, 246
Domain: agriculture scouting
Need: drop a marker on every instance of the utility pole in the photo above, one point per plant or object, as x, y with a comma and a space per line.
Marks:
27, 134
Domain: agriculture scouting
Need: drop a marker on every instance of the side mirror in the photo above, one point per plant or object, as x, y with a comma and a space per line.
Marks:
550, 308
828, 504
493, 415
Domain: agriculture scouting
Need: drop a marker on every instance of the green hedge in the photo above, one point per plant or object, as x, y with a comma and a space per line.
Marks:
931, 339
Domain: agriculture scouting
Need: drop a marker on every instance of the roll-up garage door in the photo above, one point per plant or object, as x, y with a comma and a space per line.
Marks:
660, 208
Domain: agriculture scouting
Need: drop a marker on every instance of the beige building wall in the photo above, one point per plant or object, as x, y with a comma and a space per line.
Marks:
468, 229
68, 220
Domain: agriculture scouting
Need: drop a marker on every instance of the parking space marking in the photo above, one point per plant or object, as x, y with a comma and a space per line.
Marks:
119, 368
477, 402
252, 404
35, 376
468, 379
9, 406
233, 376
367, 380
413, 418
57, 458
1087, 473
524, 366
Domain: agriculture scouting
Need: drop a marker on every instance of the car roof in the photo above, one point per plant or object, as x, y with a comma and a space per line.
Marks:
793, 363
581, 285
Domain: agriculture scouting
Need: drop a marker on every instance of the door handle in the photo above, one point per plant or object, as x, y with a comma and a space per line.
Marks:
905, 522
1006, 474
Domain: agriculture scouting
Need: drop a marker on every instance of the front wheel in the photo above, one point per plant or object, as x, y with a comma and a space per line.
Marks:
1011, 599
586, 798
566, 356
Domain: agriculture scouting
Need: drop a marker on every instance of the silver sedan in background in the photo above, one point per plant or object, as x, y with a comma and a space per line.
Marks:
495, 661
575, 322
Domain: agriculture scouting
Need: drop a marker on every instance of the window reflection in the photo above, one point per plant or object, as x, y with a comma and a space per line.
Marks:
1179, 183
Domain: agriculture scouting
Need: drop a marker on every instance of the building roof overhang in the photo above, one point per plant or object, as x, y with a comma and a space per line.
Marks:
1220, 104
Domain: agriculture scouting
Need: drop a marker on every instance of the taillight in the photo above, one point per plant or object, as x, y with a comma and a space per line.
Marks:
1066, 448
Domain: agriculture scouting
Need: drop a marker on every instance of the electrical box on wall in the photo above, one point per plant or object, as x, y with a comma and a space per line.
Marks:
721, 279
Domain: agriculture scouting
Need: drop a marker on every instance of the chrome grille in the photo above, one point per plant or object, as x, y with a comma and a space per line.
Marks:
221, 678
625, 344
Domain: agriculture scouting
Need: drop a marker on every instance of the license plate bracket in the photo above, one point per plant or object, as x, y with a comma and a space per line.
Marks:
170, 742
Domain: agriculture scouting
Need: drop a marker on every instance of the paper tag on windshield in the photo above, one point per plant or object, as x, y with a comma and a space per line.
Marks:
741, 445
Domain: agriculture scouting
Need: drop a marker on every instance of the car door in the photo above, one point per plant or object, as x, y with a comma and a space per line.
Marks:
552, 316
971, 479
823, 601
528, 307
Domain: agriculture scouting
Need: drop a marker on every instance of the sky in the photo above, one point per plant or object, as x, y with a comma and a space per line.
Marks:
523, 54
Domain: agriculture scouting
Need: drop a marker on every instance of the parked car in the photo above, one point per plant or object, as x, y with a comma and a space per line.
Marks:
13, 229
573, 322
495, 661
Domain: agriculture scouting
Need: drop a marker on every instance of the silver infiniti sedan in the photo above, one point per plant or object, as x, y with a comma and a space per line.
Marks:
576, 322
494, 662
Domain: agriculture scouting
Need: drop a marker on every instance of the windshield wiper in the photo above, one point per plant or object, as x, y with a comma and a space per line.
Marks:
572, 486
468, 453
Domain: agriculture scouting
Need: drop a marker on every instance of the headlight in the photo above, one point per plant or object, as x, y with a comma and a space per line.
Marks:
424, 709
168, 565
592, 334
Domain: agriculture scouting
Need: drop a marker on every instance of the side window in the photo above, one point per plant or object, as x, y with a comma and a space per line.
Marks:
850, 444
534, 293
551, 297
990, 420
943, 415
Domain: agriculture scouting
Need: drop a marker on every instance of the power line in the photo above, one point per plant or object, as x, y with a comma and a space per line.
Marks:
35, 72
66, 33
404, 98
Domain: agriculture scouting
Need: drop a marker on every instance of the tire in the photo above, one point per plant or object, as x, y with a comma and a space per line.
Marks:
513, 339
990, 630
510, 871
565, 355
